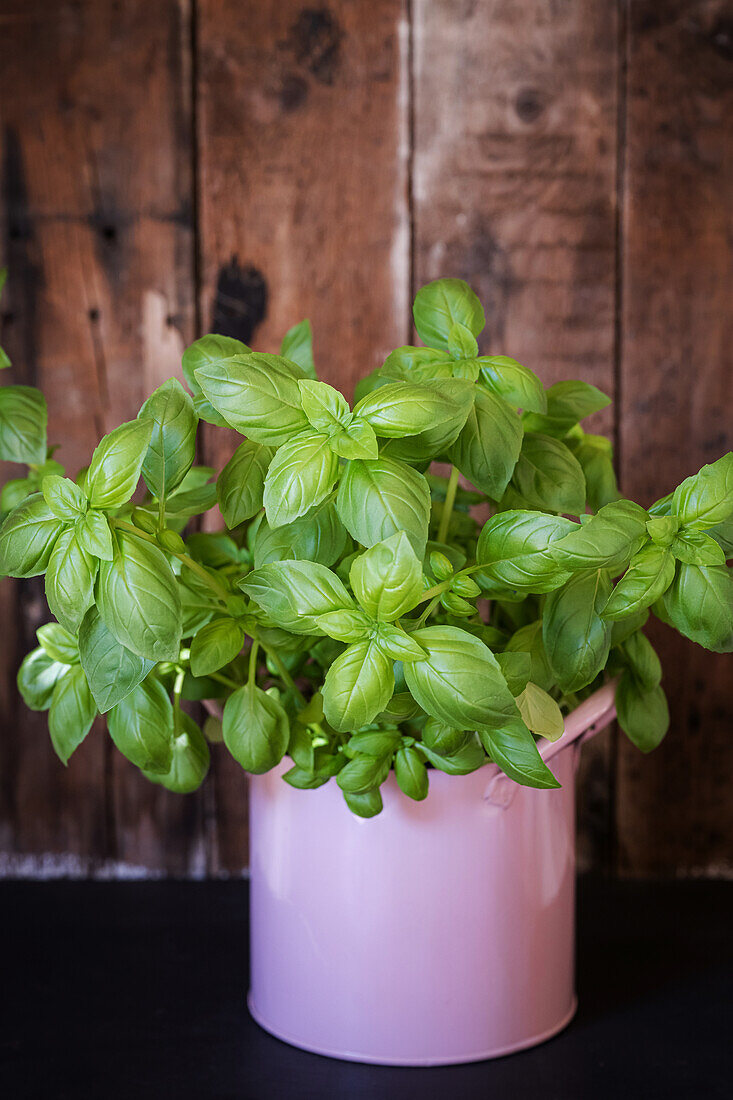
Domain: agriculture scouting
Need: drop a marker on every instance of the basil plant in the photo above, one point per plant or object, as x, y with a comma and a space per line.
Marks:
355, 615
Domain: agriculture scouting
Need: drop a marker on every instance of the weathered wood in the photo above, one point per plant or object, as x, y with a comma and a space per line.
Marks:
303, 202
674, 811
97, 208
514, 184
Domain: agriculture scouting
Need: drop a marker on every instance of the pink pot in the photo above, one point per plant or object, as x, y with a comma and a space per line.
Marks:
438, 932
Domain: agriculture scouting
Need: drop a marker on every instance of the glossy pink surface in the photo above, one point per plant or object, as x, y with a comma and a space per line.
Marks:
437, 932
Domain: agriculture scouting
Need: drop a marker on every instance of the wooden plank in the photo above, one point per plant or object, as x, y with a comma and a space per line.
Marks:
97, 202
303, 202
674, 810
515, 115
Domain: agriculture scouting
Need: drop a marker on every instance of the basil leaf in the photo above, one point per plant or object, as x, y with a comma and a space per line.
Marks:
595, 455
345, 626
387, 579
304, 780
27, 538
699, 603
548, 476
378, 498
567, 403
112, 671
64, 497
540, 713
70, 578
411, 774
461, 342
190, 760
215, 645
327, 409
358, 685
515, 751
443, 430
465, 760
607, 541
365, 803
318, 536
301, 475
644, 664
404, 408
577, 640
363, 773
297, 346
411, 364
440, 305
357, 440
649, 575
515, 384
141, 726
241, 483
643, 715
293, 594
663, 529
621, 629
723, 535
697, 548
139, 600
93, 535
528, 639
172, 446
516, 668
116, 463
706, 498
208, 349
375, 742
71, 714
489, 445
256, 729
37, 677
23, 418
516, 548
257, 394
443, 739
14, 492
397, 644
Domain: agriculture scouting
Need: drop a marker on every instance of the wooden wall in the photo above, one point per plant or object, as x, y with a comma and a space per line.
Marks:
235, 165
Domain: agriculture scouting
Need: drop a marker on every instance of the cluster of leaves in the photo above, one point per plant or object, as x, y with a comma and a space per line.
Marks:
355, 615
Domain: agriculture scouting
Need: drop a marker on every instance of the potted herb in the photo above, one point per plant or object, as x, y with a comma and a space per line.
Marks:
368, 649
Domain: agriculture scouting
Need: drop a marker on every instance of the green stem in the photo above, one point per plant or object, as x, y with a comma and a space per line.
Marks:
439, 589
161, 513
284, 674
427, 612
177, 689
450, 497
222, 679
253, 662
194, 566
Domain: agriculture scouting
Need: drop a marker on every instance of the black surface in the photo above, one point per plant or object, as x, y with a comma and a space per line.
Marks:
136, 990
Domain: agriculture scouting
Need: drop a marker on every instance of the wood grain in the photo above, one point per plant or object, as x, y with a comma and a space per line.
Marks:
97, 208
514, 182
674, 811
303, 202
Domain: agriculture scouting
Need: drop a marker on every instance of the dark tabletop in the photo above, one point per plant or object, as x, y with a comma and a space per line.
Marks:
137, 990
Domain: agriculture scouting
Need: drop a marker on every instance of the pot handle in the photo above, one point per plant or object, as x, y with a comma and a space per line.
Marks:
589, 718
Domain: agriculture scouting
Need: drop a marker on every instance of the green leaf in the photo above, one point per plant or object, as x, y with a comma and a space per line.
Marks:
59, 643
644, 664
318, 536
71, 714
139, 600
365, 804
37, 677
443, 739
297, 346
516, 753
141, 726
699, 603
442, 304
293, 594
363, 773
387, 579
70, 581
643, 715
489, 445
64, 498
14, 492
116, 464
241, 483
172, 446
723, 535
190, 760
706, 498
697, 548
378, 498
215, 645
443, 431
515, 384
595, 455
257, 394
112, 671
516, 549
567, 403
256, 730
94, 536
461, 342
27, 538
345, 626
541, 713
403, 408
548, 476
607, 541
411, 774
621, 629
23, 418
397, 644
358, 685
516, 668
577, 640
206, 350
375, 742
357, 440
663, 529
301, 475
528, 639
466, 760
327, 410
649, 575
